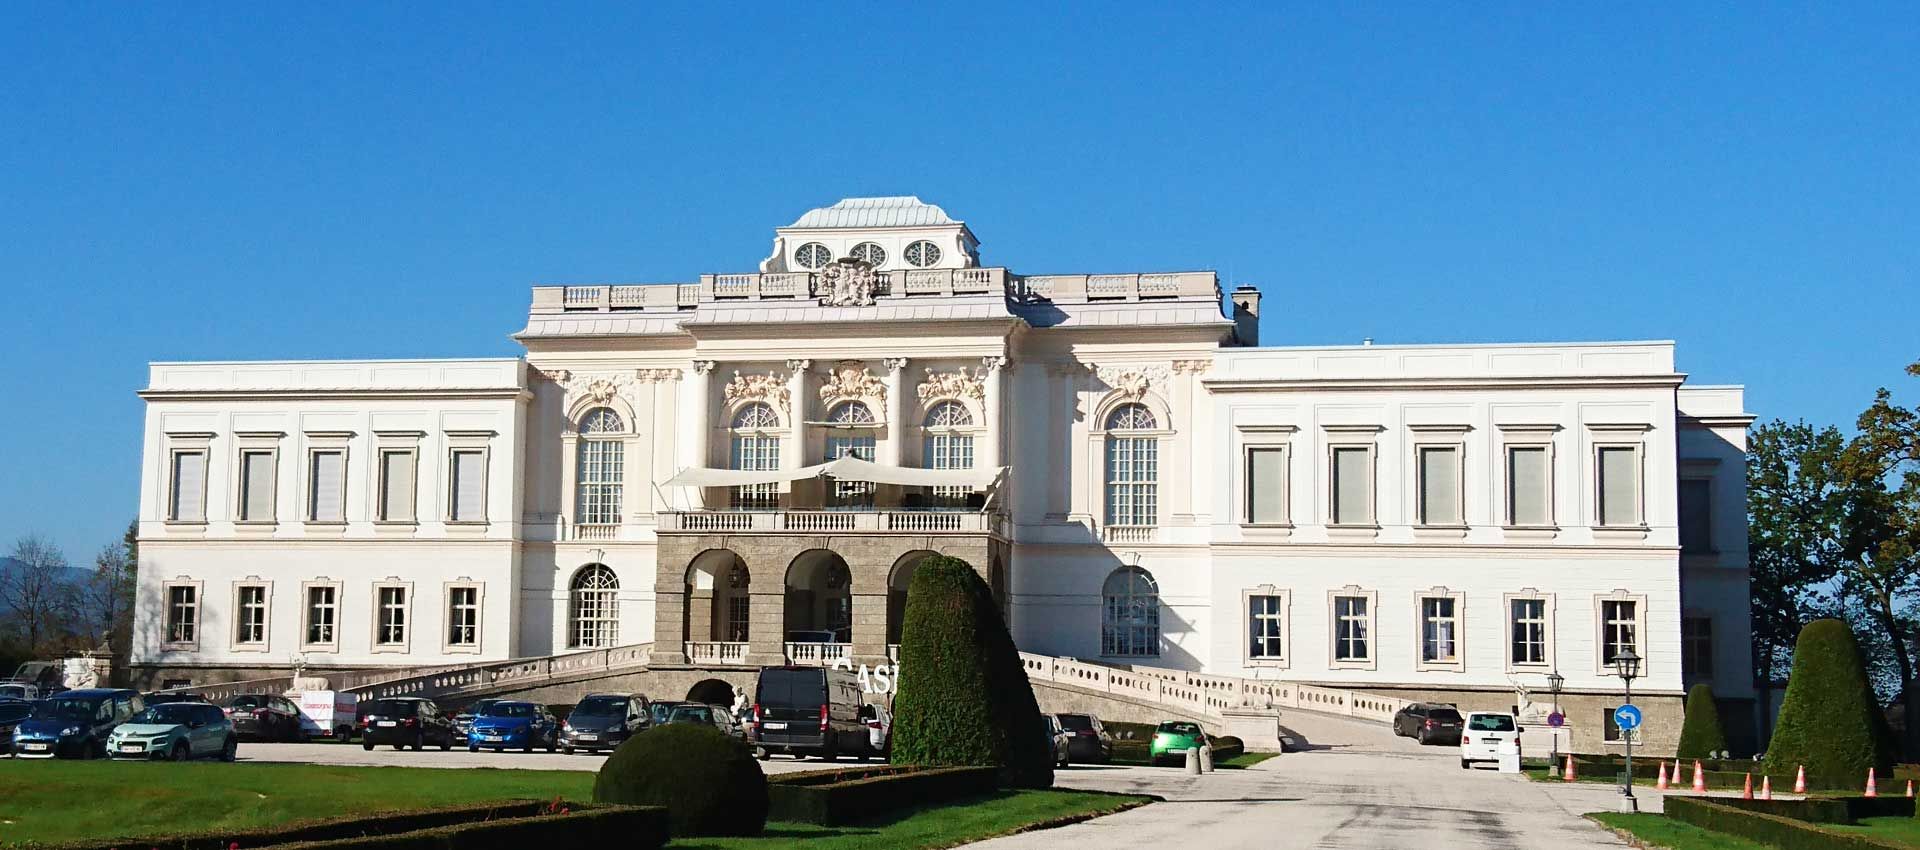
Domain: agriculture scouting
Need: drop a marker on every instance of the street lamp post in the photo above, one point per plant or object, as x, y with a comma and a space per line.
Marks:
1627, 665
1554, 682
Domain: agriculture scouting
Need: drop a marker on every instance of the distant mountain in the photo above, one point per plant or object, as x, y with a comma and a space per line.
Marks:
69, 576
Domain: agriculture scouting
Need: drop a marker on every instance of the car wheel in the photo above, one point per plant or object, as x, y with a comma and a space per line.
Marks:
446, 744
566, 751
343, 734
366, 745
472, 749
1422, 737
180, 753
1464, 764
232, 750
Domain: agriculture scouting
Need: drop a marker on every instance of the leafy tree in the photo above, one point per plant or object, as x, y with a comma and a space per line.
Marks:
1830, 721
1796, 508
1701, 735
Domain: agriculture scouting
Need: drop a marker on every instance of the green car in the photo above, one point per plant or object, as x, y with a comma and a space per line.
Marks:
177, 731
1174, 738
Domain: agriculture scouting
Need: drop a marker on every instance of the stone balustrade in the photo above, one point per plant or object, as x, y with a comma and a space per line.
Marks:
878, 521
1206, 695
888, 285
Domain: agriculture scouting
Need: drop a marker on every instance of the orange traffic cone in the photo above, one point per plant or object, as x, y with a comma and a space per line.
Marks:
1660, 783
1699, 778
1872, 791
1746, 793
1766, 787
1909, 788
1800, 780
1568, 773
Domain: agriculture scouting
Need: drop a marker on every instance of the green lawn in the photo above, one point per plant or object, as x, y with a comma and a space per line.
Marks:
69, 800
1658, 831
1896, 829
933, 827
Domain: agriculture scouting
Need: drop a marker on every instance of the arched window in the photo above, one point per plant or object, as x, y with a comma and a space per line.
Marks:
851, 413
736, 615
755, 450
854, 442
593, 608
948, 448
1133, 467
601, 467
1130, 618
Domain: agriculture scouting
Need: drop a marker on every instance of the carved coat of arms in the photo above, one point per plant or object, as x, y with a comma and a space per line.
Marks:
847, 283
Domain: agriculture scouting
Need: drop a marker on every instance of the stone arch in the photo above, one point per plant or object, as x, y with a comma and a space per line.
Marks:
898, 579
1162, 412
711, 692
580, 406
717, 584
819, 595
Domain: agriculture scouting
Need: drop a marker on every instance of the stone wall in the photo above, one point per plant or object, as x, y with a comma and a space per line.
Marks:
1585, 714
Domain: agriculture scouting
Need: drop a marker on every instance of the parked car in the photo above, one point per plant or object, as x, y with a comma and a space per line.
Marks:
805, 711
1484, 734
19, 691
879, 728
522, 725
264, 717
1429, 723
463, 721
164, 697
75, 724
1173, 738
1089, 741
404, 722
1060, 739
603, 721
327, 713
12, 712
717, 716
177, 731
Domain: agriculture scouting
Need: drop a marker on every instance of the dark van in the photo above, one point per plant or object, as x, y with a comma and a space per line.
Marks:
802, 711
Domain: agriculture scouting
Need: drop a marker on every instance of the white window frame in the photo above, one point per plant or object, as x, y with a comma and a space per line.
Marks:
265, 642
1283, 659
1372, 661
1260, 439
166, 614
459, 442
318, 443
184, 444
1528, 437
267, 443
411, 623
1459, 662
1514, 665
1365, 437
1639, 600
1444, 438
1157, 438
394, 442
306, 614
447, 645
1619, 437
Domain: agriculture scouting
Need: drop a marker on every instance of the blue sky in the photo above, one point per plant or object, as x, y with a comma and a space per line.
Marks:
198, 181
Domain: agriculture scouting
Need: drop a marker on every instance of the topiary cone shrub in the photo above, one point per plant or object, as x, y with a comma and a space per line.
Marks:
1829, 721
964, 698
708, 781
1701, 735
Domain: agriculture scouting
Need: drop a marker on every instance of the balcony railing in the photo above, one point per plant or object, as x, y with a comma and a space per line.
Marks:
716, 652
819, 521
596, 532
1129, 534
817, 654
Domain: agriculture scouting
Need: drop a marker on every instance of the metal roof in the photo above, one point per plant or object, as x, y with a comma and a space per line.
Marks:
890, 211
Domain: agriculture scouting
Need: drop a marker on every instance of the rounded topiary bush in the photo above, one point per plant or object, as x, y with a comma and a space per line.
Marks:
1700, 735
1830, 721
964, 698
708, 781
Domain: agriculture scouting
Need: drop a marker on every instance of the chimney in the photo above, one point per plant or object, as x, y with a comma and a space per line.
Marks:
1246, 314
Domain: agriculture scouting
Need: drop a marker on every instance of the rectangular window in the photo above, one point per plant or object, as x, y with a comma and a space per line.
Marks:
326, 501
1439, 630
469, 491
251, 625
392, 627
1529, 631
738, 608
1267, 485
1133, 474
323, 606
463, 616
1352, 486
1619, 623
1696, 516
256, 486
602, 470
1439, 486
187, 497
855, 495
1351, 624
1619, 485
949, 451
1266, 628
1696, 641
396, 485
756, 453
1529, 486
183, 613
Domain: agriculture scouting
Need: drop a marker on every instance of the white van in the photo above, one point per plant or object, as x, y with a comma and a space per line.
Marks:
324, 713
1485, 733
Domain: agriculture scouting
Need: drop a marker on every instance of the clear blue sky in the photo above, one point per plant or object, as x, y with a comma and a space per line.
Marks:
196, 181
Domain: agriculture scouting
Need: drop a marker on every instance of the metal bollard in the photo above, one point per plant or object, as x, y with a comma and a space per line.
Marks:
1193, 760
1206, 759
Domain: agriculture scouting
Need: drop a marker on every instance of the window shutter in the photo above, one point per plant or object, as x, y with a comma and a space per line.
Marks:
329, 486
469, 486
1266, 485
258, 479
1352, 486
1527, 495
1619, 487
190, 487
396, 494
1440, 486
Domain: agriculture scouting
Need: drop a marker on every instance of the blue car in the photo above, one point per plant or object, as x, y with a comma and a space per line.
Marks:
514, 725
75, 724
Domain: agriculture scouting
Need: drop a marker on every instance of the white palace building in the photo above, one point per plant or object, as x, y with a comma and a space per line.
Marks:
744, 470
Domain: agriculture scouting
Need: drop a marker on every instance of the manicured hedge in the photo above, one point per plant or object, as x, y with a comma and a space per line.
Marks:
1777, 830
1827, 809
1226, 747
1700, 732
323, 830
1830, 721
805, 798
708, 781
626, 827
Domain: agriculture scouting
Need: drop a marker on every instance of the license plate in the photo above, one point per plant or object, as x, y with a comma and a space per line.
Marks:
36, 748
493, 737
385, 723
133, 748
773, 725
587, 737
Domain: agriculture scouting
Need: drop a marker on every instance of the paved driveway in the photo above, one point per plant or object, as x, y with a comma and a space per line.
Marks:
1354, 786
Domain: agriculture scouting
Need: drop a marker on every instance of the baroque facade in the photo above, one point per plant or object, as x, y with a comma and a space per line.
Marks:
744, 470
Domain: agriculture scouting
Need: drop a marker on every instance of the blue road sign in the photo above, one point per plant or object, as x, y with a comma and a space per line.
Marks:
1627, 717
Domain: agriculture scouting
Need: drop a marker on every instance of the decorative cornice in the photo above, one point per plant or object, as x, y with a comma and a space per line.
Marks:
769, 388
956, 384
598, 387
853, 381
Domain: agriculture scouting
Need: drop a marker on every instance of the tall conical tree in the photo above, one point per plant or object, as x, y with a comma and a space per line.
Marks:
1829, 721
964, 699
1701, 735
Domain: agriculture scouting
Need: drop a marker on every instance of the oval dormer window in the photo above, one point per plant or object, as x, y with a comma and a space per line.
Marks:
870, 253
922, 254
812, 255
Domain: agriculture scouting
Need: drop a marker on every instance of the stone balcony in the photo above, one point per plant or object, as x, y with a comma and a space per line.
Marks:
880, 521
889, 286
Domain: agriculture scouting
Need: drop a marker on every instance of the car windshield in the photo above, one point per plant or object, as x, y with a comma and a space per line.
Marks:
1076, 722
1491, 723
63, 709
601, 707
659, 712
508, 709
171, 713
1444, 714
1179, 729
690, 714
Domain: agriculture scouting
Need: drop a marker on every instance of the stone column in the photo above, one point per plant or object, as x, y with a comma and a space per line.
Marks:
669, 620
991, 454
696, 398
794, 456
767, 622
896, 417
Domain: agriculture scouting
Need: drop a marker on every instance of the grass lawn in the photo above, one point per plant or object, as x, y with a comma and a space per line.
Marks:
933, 827
69, 800
1659, 831
1896, 829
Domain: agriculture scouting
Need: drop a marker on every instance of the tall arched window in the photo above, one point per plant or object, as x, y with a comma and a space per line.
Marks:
1130, 614
948, 444
853, 440
602, 462
1133, 467
755, 449
593, 608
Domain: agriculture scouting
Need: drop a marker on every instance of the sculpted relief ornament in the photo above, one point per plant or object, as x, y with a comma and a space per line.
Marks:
599, 388
853, 381
848, 283
956, 384
1131, 382
769, 388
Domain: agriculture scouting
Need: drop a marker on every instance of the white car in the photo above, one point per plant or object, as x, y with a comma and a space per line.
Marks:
16, 690
1485, 734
